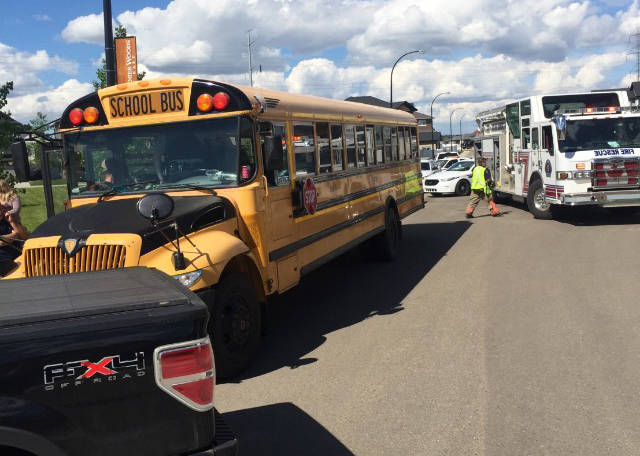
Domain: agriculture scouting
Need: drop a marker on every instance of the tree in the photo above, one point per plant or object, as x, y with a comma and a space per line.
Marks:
8, 127
101, 73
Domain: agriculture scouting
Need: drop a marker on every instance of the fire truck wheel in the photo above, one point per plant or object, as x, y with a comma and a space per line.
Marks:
235, 325
388, 242
536, 202
463, 188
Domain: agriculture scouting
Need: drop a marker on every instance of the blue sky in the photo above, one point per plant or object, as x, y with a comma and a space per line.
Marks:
484, 52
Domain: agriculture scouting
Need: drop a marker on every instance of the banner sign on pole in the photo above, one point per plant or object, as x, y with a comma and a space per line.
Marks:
126, 59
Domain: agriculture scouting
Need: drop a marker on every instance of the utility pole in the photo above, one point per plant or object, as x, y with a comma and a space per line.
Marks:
109, 52
249, 43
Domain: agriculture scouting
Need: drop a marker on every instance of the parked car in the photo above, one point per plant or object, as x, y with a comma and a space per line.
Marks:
428, 167
455, 180
443, 155
115, 362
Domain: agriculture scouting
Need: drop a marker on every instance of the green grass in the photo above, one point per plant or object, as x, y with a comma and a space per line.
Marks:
34, 211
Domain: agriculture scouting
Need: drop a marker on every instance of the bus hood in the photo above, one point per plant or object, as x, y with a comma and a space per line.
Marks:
191, 213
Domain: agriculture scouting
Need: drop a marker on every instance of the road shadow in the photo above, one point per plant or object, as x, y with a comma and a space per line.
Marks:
584, 215
282, 429
345, 292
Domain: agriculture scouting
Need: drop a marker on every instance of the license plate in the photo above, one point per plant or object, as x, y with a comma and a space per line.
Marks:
148, 103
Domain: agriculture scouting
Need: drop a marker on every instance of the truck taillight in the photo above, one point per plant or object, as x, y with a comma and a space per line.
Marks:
186, 372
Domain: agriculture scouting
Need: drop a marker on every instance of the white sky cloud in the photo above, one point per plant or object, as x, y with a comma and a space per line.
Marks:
484, 51
50, 102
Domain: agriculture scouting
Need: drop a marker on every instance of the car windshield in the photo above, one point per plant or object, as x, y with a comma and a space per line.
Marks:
211, 153
589, 134
462, 166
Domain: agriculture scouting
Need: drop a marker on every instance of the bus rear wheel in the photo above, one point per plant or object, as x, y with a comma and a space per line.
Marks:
387, 243
234, 325
536, 201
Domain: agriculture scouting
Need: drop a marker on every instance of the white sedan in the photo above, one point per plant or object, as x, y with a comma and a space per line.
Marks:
455, 180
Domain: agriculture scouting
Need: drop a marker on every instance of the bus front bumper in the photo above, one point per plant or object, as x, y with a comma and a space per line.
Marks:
610, 198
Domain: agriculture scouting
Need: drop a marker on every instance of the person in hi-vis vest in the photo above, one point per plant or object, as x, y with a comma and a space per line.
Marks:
481, 184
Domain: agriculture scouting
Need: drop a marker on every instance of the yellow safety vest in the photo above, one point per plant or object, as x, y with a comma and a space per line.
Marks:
477, 180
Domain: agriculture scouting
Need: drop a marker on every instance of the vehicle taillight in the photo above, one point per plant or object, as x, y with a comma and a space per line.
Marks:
186, 372
205, 102
220, 101
612, 108
588, 110
91, 115
76, 116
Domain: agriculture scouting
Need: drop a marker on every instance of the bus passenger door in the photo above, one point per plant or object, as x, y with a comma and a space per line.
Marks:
280, 231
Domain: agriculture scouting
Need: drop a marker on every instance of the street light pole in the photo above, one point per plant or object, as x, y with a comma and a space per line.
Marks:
419, 51
451, 129
461, 130
434, 99
109, 52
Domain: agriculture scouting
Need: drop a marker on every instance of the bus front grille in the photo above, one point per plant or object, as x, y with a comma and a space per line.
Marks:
44, 261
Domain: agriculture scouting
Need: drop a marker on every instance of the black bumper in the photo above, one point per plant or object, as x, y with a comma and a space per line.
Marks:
225, 444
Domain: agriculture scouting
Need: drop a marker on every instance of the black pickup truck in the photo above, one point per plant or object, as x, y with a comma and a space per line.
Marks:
107, 363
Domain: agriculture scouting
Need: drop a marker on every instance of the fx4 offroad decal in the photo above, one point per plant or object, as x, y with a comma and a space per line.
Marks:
109, 369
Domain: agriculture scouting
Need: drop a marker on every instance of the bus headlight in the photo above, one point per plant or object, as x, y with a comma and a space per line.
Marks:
189, 278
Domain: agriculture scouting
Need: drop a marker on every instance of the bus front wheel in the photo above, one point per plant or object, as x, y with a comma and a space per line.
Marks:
234, 325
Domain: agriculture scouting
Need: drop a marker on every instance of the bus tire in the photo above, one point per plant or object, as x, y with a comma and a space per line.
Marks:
463, 188
388, 242
235, 325
536, 203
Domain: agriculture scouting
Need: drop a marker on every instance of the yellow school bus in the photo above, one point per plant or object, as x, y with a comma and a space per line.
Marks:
235, 191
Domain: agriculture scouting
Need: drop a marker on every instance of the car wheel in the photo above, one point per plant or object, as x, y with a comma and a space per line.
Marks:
235, 325
463, 187
536, 201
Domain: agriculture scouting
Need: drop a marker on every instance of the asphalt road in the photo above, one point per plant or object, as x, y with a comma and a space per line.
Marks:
490, 336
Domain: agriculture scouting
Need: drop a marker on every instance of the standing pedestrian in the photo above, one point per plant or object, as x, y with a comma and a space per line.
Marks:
9, 199
481, 184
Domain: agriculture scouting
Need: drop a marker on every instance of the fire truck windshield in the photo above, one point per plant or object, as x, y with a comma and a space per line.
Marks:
212, 153
589, 134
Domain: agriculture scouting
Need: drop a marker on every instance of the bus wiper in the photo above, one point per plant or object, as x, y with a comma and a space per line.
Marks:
117, 189
189, 186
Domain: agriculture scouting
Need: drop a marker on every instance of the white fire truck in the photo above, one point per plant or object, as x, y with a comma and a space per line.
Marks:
571, 149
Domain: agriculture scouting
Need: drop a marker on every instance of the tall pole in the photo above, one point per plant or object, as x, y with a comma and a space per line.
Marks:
249, 43
461, 130
451, 129
419, 51
109, 52
434, 99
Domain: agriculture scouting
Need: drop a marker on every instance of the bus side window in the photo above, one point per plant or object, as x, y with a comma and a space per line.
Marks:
535, 139
276, 176
547, 139
304, 148
360, 143
414, 142
407, 144
370, 145
387, 145
324, 146
401, 155
394, 144
379, 144
350, 140
336, 147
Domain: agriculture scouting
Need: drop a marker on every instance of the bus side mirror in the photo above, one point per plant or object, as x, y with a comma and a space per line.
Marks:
273, 152
155, 206
20, 161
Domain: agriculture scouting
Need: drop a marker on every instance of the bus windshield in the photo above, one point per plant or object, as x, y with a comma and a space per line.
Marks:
589, 134
212, 153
